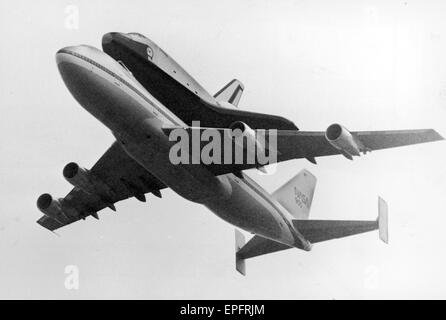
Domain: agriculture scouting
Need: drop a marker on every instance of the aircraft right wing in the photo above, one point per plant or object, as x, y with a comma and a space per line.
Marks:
311, 144
114, 177
295, 144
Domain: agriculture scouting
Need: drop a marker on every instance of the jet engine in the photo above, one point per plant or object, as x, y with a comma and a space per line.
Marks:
80, 178
51, 207
240, 131
340, 138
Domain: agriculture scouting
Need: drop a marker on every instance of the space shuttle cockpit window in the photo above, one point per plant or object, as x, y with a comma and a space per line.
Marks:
137, 37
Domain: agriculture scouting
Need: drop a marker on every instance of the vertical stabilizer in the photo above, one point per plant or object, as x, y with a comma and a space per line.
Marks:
297, 194
239, 261
230, 93
383, 220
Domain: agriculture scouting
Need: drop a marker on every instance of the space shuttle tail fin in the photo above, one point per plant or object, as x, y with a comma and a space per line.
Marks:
230, 93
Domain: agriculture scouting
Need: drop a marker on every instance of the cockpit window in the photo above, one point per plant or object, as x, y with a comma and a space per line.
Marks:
137, 37
136, 34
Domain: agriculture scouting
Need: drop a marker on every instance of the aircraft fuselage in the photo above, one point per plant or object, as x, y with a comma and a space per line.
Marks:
111, 94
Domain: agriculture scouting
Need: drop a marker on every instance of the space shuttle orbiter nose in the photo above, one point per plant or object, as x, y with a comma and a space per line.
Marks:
109, 37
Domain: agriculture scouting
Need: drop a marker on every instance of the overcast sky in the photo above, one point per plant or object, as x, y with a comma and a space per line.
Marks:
367, 65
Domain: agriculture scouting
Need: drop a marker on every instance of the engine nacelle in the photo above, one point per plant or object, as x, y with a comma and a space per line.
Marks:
340, 138
79, 177
51, 207
241, 131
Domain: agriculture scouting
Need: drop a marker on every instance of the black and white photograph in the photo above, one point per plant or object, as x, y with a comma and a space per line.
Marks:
222, 151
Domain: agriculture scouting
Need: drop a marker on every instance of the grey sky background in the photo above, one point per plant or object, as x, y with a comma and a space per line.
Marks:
367, 65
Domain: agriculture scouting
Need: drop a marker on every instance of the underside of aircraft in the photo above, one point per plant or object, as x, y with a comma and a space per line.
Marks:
143, 96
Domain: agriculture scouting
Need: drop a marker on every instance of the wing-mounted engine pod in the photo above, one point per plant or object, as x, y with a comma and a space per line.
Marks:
241, 129
86, 181
70, 170
79, 177
50, 207
340, 138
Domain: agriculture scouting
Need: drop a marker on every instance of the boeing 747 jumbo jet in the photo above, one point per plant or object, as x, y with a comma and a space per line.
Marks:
148, 101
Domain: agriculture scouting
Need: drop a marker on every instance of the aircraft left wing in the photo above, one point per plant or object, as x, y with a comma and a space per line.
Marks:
113, 178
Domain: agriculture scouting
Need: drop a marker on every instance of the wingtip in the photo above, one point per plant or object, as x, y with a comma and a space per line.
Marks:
440, 137
436, 136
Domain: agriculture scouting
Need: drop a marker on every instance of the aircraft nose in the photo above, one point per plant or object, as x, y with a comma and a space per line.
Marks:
109, 37
68, 53
64, 54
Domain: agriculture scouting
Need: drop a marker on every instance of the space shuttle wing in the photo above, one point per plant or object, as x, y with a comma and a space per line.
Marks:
113, 178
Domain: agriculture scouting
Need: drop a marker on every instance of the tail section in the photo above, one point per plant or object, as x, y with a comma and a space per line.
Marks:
313, 231
297, 194
256, 246
323, 230
230, 93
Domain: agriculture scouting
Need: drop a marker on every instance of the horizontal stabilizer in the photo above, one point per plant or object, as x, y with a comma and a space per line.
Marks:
322, 230
257, 246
